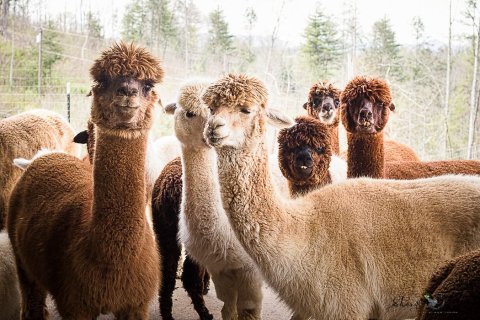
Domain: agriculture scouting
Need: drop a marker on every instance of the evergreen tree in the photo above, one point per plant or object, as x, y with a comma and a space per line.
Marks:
189, 20
134, 21
322, 45
384, 54
94, 25
163, 24
220, 40
51, 49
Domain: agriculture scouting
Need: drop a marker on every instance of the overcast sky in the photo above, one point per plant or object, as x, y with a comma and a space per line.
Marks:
293, 17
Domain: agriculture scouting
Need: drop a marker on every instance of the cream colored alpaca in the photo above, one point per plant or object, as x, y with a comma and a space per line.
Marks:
204, 227
352, 250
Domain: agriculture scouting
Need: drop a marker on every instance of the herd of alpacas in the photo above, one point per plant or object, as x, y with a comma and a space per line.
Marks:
372, 232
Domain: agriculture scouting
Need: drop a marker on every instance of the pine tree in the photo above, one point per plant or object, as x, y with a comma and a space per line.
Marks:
322, 44
384, 53
220, 40
163, 24
94, 25
134, 21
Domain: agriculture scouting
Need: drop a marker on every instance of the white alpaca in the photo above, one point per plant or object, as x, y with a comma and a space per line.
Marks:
9, 289
204, 227
351, 250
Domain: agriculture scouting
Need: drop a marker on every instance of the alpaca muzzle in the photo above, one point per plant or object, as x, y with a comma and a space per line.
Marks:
216, 131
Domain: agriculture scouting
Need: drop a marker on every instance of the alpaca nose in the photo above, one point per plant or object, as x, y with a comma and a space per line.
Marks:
365, 114
216, 123
304, 159
327, 106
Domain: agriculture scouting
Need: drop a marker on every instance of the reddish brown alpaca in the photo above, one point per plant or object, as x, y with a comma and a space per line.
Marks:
365, 107
86, 239
323, 104
304, 156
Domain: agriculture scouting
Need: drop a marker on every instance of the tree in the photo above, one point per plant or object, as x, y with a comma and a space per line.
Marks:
189, 20
4, 7
351, 37
220, 41
166, 29
383, 55
322, 44
446, 110
134, 21
51, 48
94, 25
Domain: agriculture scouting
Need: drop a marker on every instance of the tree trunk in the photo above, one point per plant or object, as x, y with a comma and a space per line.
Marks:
5, 5
447, 82
473, 100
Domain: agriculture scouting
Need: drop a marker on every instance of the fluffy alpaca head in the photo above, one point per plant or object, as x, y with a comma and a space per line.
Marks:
304, 151
238, 105
366, 103
123, 92
190, 113
323, 103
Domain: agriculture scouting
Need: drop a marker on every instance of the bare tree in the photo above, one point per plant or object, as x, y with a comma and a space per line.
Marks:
273, 37
473, 92
5, 6
447, 80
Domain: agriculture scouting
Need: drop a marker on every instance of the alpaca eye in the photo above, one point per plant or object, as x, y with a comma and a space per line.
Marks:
320, 150
189, 114
337, 103
147, 87
245, 110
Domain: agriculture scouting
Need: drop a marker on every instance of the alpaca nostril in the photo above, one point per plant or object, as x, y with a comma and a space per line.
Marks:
365, 114
327, 107
122, 91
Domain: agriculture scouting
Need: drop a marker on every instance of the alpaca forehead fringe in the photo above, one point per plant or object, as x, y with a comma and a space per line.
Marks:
236, 90
190, 97
122, 60
374, 89
307, 130
324, 88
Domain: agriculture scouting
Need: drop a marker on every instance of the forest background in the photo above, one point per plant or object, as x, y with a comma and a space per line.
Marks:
46, 48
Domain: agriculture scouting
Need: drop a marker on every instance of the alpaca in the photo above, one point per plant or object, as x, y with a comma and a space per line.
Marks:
204, 228
454, 290
9, 291
366, 104
347, 250
323, 102
159, 153
82, 235
396, 151
166, 198
305, 156
23, 135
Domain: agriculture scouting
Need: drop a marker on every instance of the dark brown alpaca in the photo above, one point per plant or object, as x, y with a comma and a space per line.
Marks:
323, 104
166, 199
304, 155
365, 107
453, 292
82, 236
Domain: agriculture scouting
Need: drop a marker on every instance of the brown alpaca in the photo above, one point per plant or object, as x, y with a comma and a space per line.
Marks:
453, 291
323, 104
366, 103
83, 236
23, 135
396, 151
305, 156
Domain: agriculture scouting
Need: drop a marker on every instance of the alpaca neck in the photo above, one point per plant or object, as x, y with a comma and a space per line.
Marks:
201, 201
334, 142
299, 189
118, 193
365, 157
251, 202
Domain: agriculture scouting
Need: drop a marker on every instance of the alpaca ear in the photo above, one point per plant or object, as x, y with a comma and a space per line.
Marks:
170, 108
278, 119
81, 137
391, 107
305, 105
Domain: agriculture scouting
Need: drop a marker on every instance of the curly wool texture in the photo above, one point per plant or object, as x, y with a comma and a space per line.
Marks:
321, 88
456, 287
374, 89
122, 60
236, 90
307, 132
190, 98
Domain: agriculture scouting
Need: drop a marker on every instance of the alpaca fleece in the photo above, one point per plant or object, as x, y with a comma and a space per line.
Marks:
347, 250
23, 135
307, 132
81, 234
9, 291
396, 151
319, 90
414, 170
456, 287
166, 199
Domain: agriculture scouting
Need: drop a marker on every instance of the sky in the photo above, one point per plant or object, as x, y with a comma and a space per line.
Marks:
294, 14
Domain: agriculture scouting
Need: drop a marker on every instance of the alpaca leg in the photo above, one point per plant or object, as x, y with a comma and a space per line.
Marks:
193, 282
206, 282
140, 313
226, 291
33, 297
170, 256
249, 303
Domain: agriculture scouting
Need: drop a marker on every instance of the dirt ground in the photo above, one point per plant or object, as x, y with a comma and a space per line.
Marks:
273, 308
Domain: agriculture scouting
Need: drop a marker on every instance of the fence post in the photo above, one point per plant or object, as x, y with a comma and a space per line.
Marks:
39, 41
68, 101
